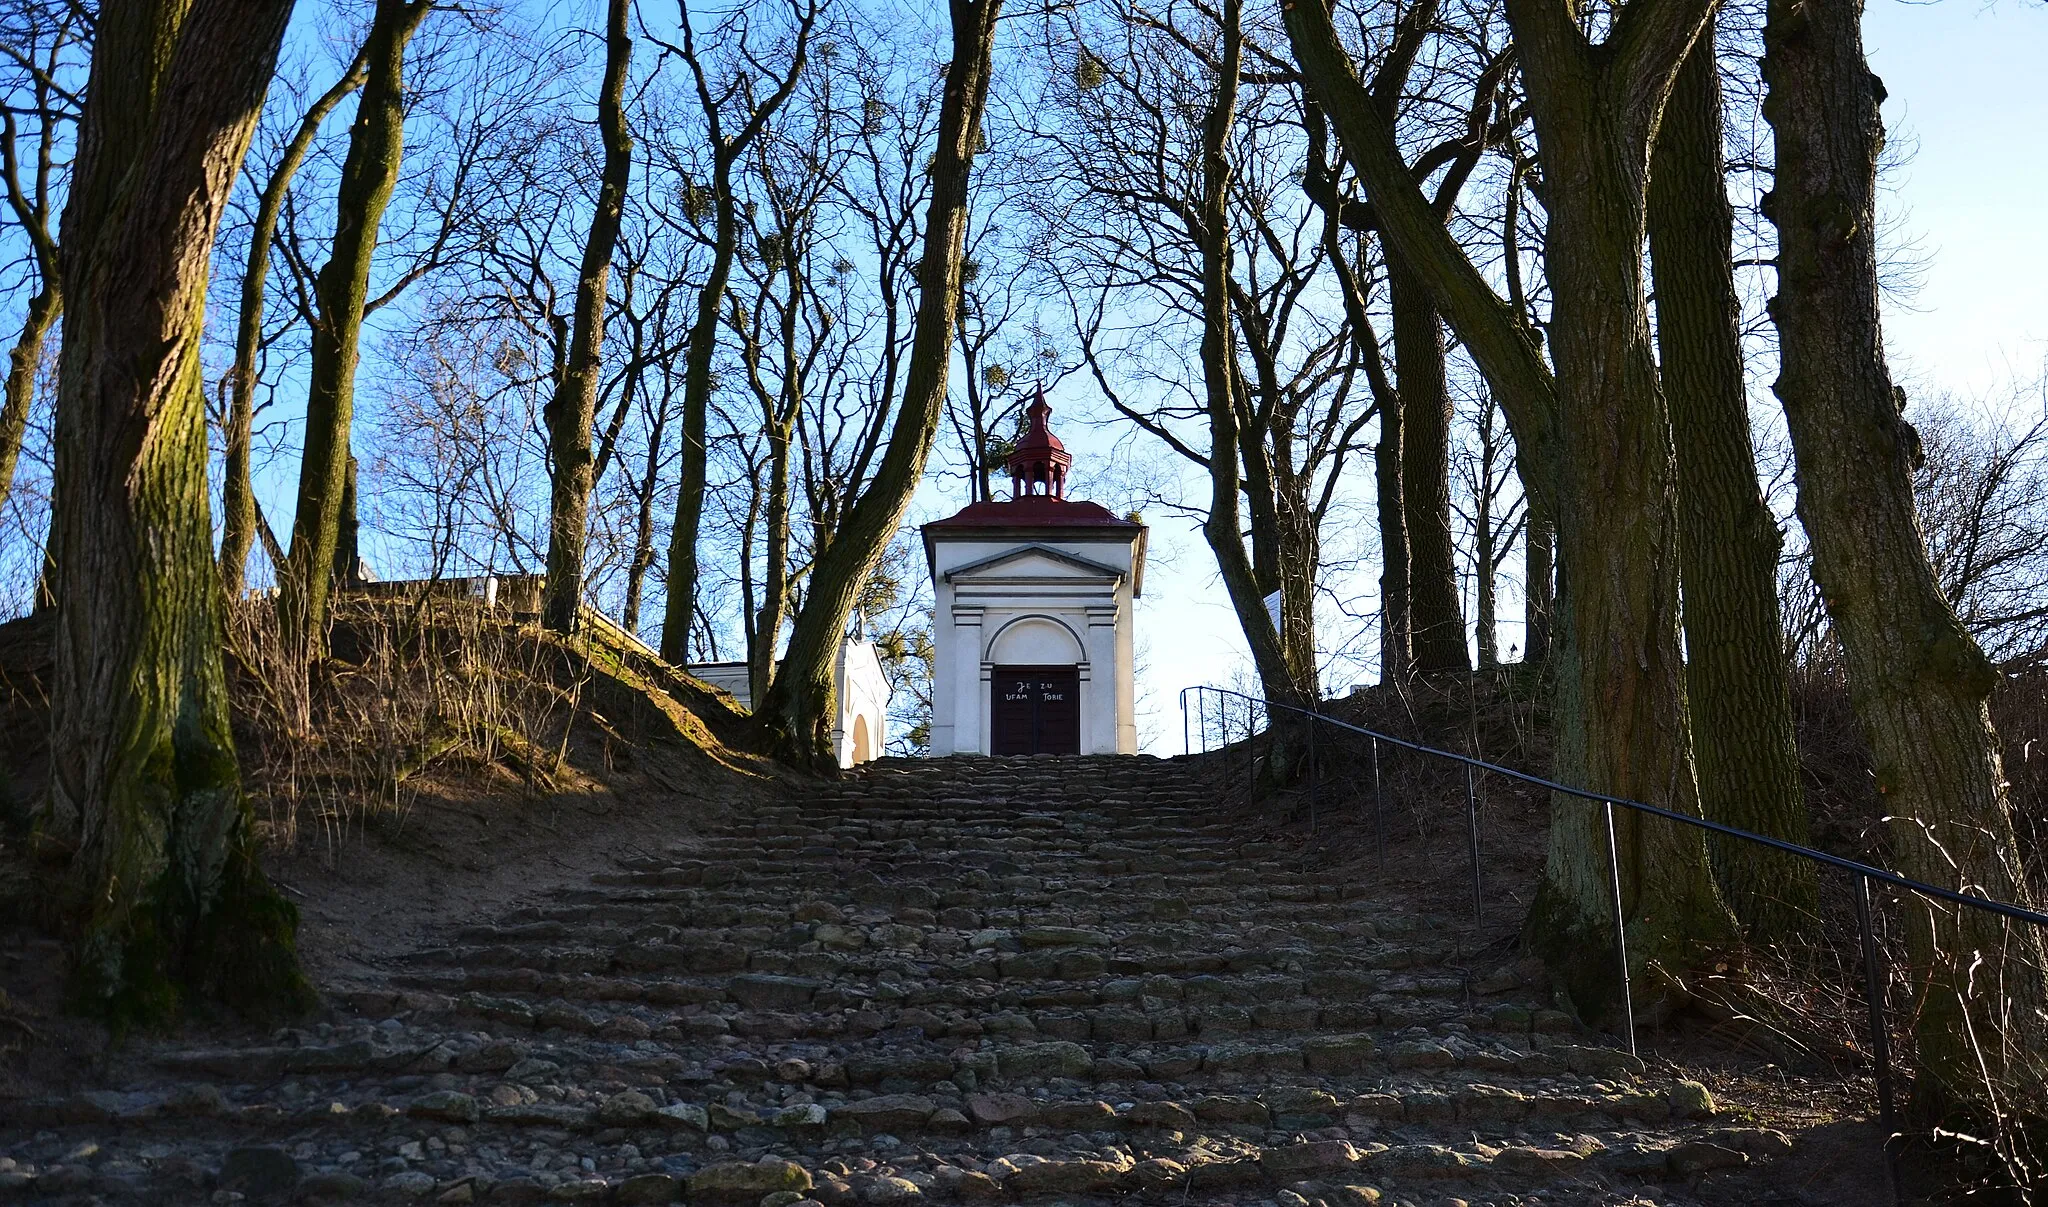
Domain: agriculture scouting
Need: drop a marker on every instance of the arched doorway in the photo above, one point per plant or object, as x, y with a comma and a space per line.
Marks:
863, 742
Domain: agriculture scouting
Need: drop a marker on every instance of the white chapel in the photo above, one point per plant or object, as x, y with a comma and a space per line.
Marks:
1033, 619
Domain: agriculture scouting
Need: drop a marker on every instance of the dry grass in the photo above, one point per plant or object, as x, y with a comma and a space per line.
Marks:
1775, 1025
416, 693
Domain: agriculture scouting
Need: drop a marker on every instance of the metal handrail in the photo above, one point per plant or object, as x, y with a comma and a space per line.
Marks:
1862, 873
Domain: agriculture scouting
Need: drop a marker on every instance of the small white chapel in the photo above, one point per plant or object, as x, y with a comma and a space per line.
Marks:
1032, 624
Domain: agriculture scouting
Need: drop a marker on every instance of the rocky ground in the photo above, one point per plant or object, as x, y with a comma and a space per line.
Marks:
956, 981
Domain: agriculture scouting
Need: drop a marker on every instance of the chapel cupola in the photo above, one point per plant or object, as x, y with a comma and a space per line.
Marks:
1039, 464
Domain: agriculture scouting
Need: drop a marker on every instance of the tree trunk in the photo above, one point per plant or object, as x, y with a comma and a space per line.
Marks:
1223, 529
369, 172
238, 495
574, 406
1917, 681
1396, 643
643, 526
166, 895
347, 568
1485, 638
1539, 552
800, 704
1300, 557
1621, 708
1386, 453
1437, 622
1736, 670
775, 578
698, 353
23, 362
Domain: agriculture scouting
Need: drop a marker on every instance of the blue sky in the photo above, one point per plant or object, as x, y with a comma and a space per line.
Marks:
1965, 83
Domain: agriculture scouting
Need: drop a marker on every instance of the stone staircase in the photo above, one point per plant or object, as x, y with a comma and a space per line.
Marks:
958, 980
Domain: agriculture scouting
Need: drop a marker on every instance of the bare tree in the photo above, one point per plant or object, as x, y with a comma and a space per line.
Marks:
341, 296
734, 116
238, 496
574, 406
1146, 208
1737, 687
1595, 447
798, 709
45, 41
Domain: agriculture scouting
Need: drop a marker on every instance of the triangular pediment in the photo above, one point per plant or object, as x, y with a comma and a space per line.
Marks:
1035, 562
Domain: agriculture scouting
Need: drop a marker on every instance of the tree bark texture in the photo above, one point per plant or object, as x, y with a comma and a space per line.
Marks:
23, 362
573, 409
1621, 709
238, 496
800, 704
1436, 617
1736, 670
369, 173
1917, 681
348, 532
643, 525
168, 900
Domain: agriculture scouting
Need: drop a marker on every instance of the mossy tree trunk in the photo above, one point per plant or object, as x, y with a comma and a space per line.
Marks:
573, 409
725, 150
1736, 671
800, 704
238, 525
168, 901
1621, 710
1917, 680
369, 173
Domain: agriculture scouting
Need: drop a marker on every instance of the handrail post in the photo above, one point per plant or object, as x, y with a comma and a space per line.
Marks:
1187, 746
1472, 833
1628, 1004
1880, 1037
1313, 817
1379, 810
1250, 771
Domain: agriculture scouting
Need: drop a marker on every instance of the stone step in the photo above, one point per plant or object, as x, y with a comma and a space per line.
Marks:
1034, 979
646, 1147
1232, 1002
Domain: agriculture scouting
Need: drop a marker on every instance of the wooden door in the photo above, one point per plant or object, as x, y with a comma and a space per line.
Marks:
1035, 710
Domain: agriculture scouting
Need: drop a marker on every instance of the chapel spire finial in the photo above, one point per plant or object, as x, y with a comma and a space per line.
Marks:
1039, 464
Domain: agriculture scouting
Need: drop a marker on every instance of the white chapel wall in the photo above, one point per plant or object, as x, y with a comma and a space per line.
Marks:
1042, 616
